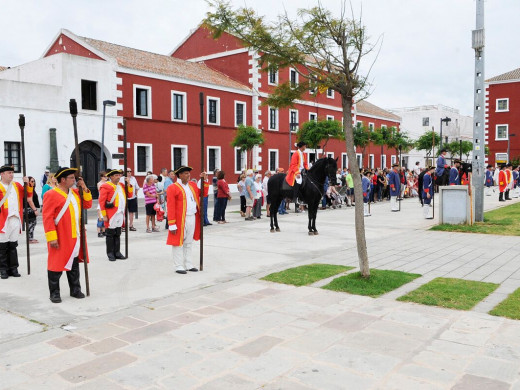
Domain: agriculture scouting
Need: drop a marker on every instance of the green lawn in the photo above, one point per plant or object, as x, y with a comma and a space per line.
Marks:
379, 283
510, 307
306, 274
503, 221
450, 293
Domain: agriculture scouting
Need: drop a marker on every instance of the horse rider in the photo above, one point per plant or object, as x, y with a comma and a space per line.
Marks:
297, 167
441, 166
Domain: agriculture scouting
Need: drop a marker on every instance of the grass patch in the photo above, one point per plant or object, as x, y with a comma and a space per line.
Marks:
504, 221
509, 307
306, 274
379, 283
450, 293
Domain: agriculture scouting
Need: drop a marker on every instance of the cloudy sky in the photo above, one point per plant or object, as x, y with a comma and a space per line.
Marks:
425, 58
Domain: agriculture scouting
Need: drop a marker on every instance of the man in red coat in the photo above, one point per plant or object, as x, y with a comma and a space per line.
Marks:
112, 203
11, 217
61, 222
298, 164
183, 218
502, 183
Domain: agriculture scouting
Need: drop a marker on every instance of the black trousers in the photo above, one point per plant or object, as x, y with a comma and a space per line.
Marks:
8, 257
72, 278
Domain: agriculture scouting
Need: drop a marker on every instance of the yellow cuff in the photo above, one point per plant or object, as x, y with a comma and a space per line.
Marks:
51, 236
172, 222
103, 213
87, 196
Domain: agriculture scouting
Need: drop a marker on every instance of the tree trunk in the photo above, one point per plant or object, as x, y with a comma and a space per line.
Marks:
358, 190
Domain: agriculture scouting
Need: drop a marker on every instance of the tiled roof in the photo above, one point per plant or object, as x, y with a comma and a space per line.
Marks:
513, 75
364, 107
164, 65
2, 68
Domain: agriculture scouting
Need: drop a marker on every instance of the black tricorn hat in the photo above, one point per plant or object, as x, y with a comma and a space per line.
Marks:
63, 172
181, 169
6, 168
395, 165
457, 161
114, 172
300, 144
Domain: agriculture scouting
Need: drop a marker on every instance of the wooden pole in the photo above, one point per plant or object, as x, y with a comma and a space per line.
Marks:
21, 123
125, 159
73, 107
202, 181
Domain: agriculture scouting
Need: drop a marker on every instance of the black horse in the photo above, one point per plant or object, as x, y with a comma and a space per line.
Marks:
311, 190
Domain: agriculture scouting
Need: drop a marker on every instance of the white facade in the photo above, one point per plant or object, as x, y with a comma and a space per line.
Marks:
417, 120
41, 90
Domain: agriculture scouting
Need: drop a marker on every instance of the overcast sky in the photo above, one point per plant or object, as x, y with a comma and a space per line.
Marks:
426, 55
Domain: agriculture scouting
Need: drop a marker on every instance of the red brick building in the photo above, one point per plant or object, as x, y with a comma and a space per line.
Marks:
503, 117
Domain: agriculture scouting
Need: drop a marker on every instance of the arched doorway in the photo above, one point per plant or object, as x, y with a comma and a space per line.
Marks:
89, 155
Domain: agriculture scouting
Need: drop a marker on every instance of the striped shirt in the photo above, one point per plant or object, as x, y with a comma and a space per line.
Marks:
150, 190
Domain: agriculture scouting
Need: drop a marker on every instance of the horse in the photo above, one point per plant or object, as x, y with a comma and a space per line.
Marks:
310, 192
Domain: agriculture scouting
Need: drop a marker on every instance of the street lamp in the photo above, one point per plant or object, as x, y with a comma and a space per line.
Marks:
445, 120
102, 154
292, 127
508, 139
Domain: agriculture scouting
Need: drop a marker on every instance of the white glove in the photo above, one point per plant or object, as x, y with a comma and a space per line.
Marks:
172, 228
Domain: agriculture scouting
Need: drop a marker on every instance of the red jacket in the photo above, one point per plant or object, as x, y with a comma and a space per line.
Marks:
502, 181
4, 210
294, 167
106, 192
176, 206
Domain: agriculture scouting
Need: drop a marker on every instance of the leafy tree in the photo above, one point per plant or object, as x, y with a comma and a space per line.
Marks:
362, 138
455, 148
325, 49
314, 132
399, 141
246, 138
428, 141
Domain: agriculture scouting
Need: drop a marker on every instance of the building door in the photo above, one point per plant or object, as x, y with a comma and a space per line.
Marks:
89, 154
177, 158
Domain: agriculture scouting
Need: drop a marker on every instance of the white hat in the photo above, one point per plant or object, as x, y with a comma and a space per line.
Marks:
249, 172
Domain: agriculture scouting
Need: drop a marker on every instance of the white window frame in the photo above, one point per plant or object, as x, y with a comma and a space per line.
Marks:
208, 98
277, 159
185, 155
330, 154
371, 161
393, 159
383, 126
498, 154
344, 155
148, 101
277, 118
315, 116
149, 160
297, 120
331, 96
383, 161
371, 126
184, 106
330, 117
359, 158
496, 132
359, 123
218, 163
296, 78
269, 76
244, 159
245, 112
496, 106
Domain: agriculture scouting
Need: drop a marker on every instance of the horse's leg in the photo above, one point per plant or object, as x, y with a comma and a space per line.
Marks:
314, 215
272, 214
309, 215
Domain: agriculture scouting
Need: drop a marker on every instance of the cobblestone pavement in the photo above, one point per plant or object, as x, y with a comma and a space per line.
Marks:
145, 327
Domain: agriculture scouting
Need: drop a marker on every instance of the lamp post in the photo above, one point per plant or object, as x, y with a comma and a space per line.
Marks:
102, 154
445, 120
508, 142
292, 127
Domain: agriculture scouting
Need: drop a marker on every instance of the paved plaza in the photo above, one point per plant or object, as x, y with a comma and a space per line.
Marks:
145, 327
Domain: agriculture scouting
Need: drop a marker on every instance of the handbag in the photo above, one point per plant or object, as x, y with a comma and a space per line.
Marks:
159, 212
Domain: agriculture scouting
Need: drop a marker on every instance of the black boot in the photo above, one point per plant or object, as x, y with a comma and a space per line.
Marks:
110, 233
501, 197
4, 260
54, 286
73, 279
12, 254
117, 245
507, 195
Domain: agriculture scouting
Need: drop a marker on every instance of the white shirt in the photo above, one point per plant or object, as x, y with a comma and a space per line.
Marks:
12, 201
301, 160
191, 204
133, 182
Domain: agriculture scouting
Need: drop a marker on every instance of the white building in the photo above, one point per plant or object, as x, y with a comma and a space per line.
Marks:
417, 120
41, 90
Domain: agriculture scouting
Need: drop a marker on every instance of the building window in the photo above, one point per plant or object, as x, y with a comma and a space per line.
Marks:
426, 121
383, 161
359, 158
383, 126
313, 116
293, 120
179, 156
371, 161
502, 105
293, 77
213, 111
344, 160
330, 154
502, 132
240, 113
213, 158
393, 159
330, 117
501, 158
313, 85
142, 101
88, 95
371, 126
273, 76
359, 124
330, 93
12, 155
273, 118
240, 160
179, 106
273, 160
143, 158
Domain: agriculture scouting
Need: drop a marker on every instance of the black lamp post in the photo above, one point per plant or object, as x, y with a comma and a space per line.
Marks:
102, 154
445, 120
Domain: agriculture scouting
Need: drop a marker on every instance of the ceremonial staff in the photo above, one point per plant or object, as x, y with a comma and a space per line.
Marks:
400, 171
73, 107
126, 186
202, 180
21, 123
